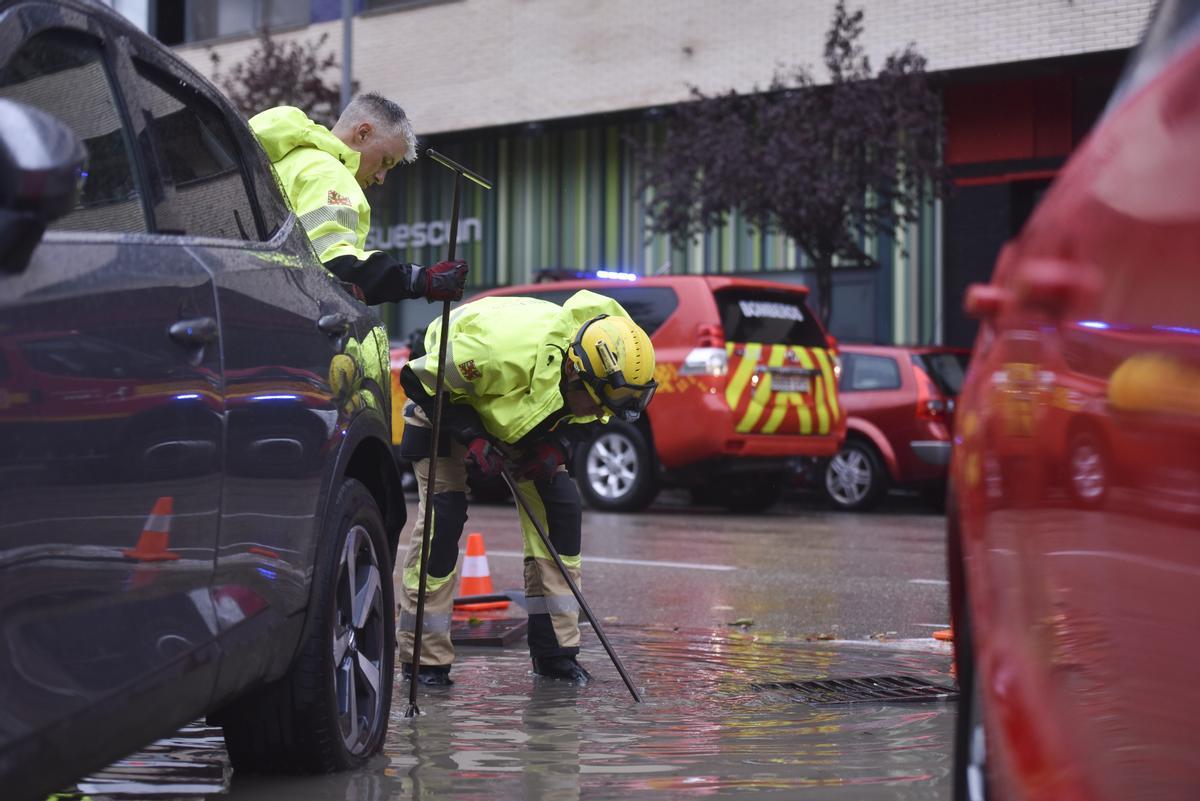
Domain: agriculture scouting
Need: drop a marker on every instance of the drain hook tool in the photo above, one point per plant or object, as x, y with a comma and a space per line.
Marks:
419, 624
616, 660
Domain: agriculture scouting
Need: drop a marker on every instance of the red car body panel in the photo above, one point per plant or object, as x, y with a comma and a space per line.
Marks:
1083, 609
889, 418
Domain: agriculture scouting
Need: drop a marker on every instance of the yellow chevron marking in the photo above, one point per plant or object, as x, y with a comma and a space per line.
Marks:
805, 414
762, 393
827, 370
807, 362
822, 411
777, 414
741, 375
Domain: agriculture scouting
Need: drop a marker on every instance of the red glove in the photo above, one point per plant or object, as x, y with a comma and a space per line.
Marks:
443, 281
485, 456
543, 462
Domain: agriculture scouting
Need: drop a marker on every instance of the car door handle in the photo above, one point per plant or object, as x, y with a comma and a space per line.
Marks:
1057, 286
986, 301
195, 331
334, 324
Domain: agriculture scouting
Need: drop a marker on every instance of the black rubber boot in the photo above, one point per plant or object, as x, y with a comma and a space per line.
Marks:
561, 667
430, 675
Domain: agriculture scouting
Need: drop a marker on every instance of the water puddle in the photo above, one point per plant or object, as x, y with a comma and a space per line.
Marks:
502, 733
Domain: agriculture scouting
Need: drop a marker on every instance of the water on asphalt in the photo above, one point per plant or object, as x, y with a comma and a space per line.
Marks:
704, 731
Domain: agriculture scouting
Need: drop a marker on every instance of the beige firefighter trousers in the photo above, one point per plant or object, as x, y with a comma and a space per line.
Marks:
553, 610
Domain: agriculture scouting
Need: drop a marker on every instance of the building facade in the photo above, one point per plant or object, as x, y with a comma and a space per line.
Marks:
549, 98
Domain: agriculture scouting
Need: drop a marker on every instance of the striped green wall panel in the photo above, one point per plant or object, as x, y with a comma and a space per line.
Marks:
567, 197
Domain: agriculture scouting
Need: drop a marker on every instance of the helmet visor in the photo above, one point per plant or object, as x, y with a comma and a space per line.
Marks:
624, 399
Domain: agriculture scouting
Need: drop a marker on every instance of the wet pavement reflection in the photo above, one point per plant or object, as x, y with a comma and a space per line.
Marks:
704, 731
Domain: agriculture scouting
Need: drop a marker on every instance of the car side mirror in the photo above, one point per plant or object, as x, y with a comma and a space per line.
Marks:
41, 173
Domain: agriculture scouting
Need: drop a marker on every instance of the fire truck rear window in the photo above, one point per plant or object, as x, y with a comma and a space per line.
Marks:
768, 318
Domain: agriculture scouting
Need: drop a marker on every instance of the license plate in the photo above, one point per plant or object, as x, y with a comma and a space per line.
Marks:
790, 381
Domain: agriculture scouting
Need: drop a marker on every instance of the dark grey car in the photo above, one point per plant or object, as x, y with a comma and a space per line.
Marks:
199, 510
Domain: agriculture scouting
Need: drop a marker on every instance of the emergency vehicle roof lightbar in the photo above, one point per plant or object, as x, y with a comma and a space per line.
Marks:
587, 610
439, 393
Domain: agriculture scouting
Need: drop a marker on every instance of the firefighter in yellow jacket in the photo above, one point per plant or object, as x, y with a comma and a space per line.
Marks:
520, 373
324, 172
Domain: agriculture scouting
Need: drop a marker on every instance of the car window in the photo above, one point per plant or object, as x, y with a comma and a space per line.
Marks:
769, 318
862, 373
946, 369
649, 306
199, 160
63, 73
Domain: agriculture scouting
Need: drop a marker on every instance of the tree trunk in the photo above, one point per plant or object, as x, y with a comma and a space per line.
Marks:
824, 266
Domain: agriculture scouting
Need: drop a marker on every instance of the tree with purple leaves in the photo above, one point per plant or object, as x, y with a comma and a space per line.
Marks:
830, 165
284, 73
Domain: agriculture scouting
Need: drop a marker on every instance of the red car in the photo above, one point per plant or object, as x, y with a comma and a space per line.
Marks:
747, 384
1074, 515
899, 404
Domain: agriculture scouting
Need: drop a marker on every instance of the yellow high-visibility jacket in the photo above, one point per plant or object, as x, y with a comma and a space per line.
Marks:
504, 358
317, 172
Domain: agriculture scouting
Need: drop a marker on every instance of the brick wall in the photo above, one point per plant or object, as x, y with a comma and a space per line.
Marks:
462, 64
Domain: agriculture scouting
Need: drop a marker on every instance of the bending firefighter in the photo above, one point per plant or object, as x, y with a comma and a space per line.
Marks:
521, 373
324, 172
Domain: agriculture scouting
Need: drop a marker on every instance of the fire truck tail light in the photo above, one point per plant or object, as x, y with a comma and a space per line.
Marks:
706, 361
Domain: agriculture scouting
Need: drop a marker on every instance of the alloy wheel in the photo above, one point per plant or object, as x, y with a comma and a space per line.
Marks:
612, 466
848, 478
359, 639
1087, 470
976, 747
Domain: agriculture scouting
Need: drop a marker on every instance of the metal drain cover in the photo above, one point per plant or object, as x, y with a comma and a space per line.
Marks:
865, 690
500, 632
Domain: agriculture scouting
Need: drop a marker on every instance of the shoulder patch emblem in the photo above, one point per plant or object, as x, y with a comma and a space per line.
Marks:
336, 199
469, 370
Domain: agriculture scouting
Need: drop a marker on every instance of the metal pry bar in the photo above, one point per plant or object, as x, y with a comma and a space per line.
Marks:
451, 164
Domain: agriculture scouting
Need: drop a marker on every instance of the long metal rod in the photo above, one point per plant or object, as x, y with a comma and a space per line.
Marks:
616, 660
431, 484
347, 52
459, 169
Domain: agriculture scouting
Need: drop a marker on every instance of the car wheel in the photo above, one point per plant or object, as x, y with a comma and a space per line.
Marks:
1087, 470
970, 735
754, 493
854, 477
615, 470
330, 712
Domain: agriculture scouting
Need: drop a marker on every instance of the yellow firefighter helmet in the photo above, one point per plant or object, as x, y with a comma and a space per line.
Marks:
615, 361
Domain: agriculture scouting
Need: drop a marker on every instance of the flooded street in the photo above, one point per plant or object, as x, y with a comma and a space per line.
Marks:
704, 730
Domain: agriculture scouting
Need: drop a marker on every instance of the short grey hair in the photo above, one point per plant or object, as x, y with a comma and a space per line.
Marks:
384, 114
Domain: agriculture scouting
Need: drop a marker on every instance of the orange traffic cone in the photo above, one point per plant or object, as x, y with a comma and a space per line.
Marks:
152, 545
476, 580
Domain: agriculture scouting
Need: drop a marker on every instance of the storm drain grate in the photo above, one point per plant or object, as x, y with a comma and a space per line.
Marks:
500, 632
865, 690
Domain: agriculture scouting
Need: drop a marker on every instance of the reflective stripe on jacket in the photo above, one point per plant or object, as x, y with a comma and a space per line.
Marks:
316, 170
504, 357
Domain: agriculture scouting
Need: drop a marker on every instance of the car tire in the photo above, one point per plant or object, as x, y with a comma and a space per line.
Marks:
1088, 476
854, 479
615, 470
754, 494
330, 712
970, 734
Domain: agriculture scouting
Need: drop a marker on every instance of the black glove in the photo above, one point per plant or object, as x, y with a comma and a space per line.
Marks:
443, 281
485, 456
